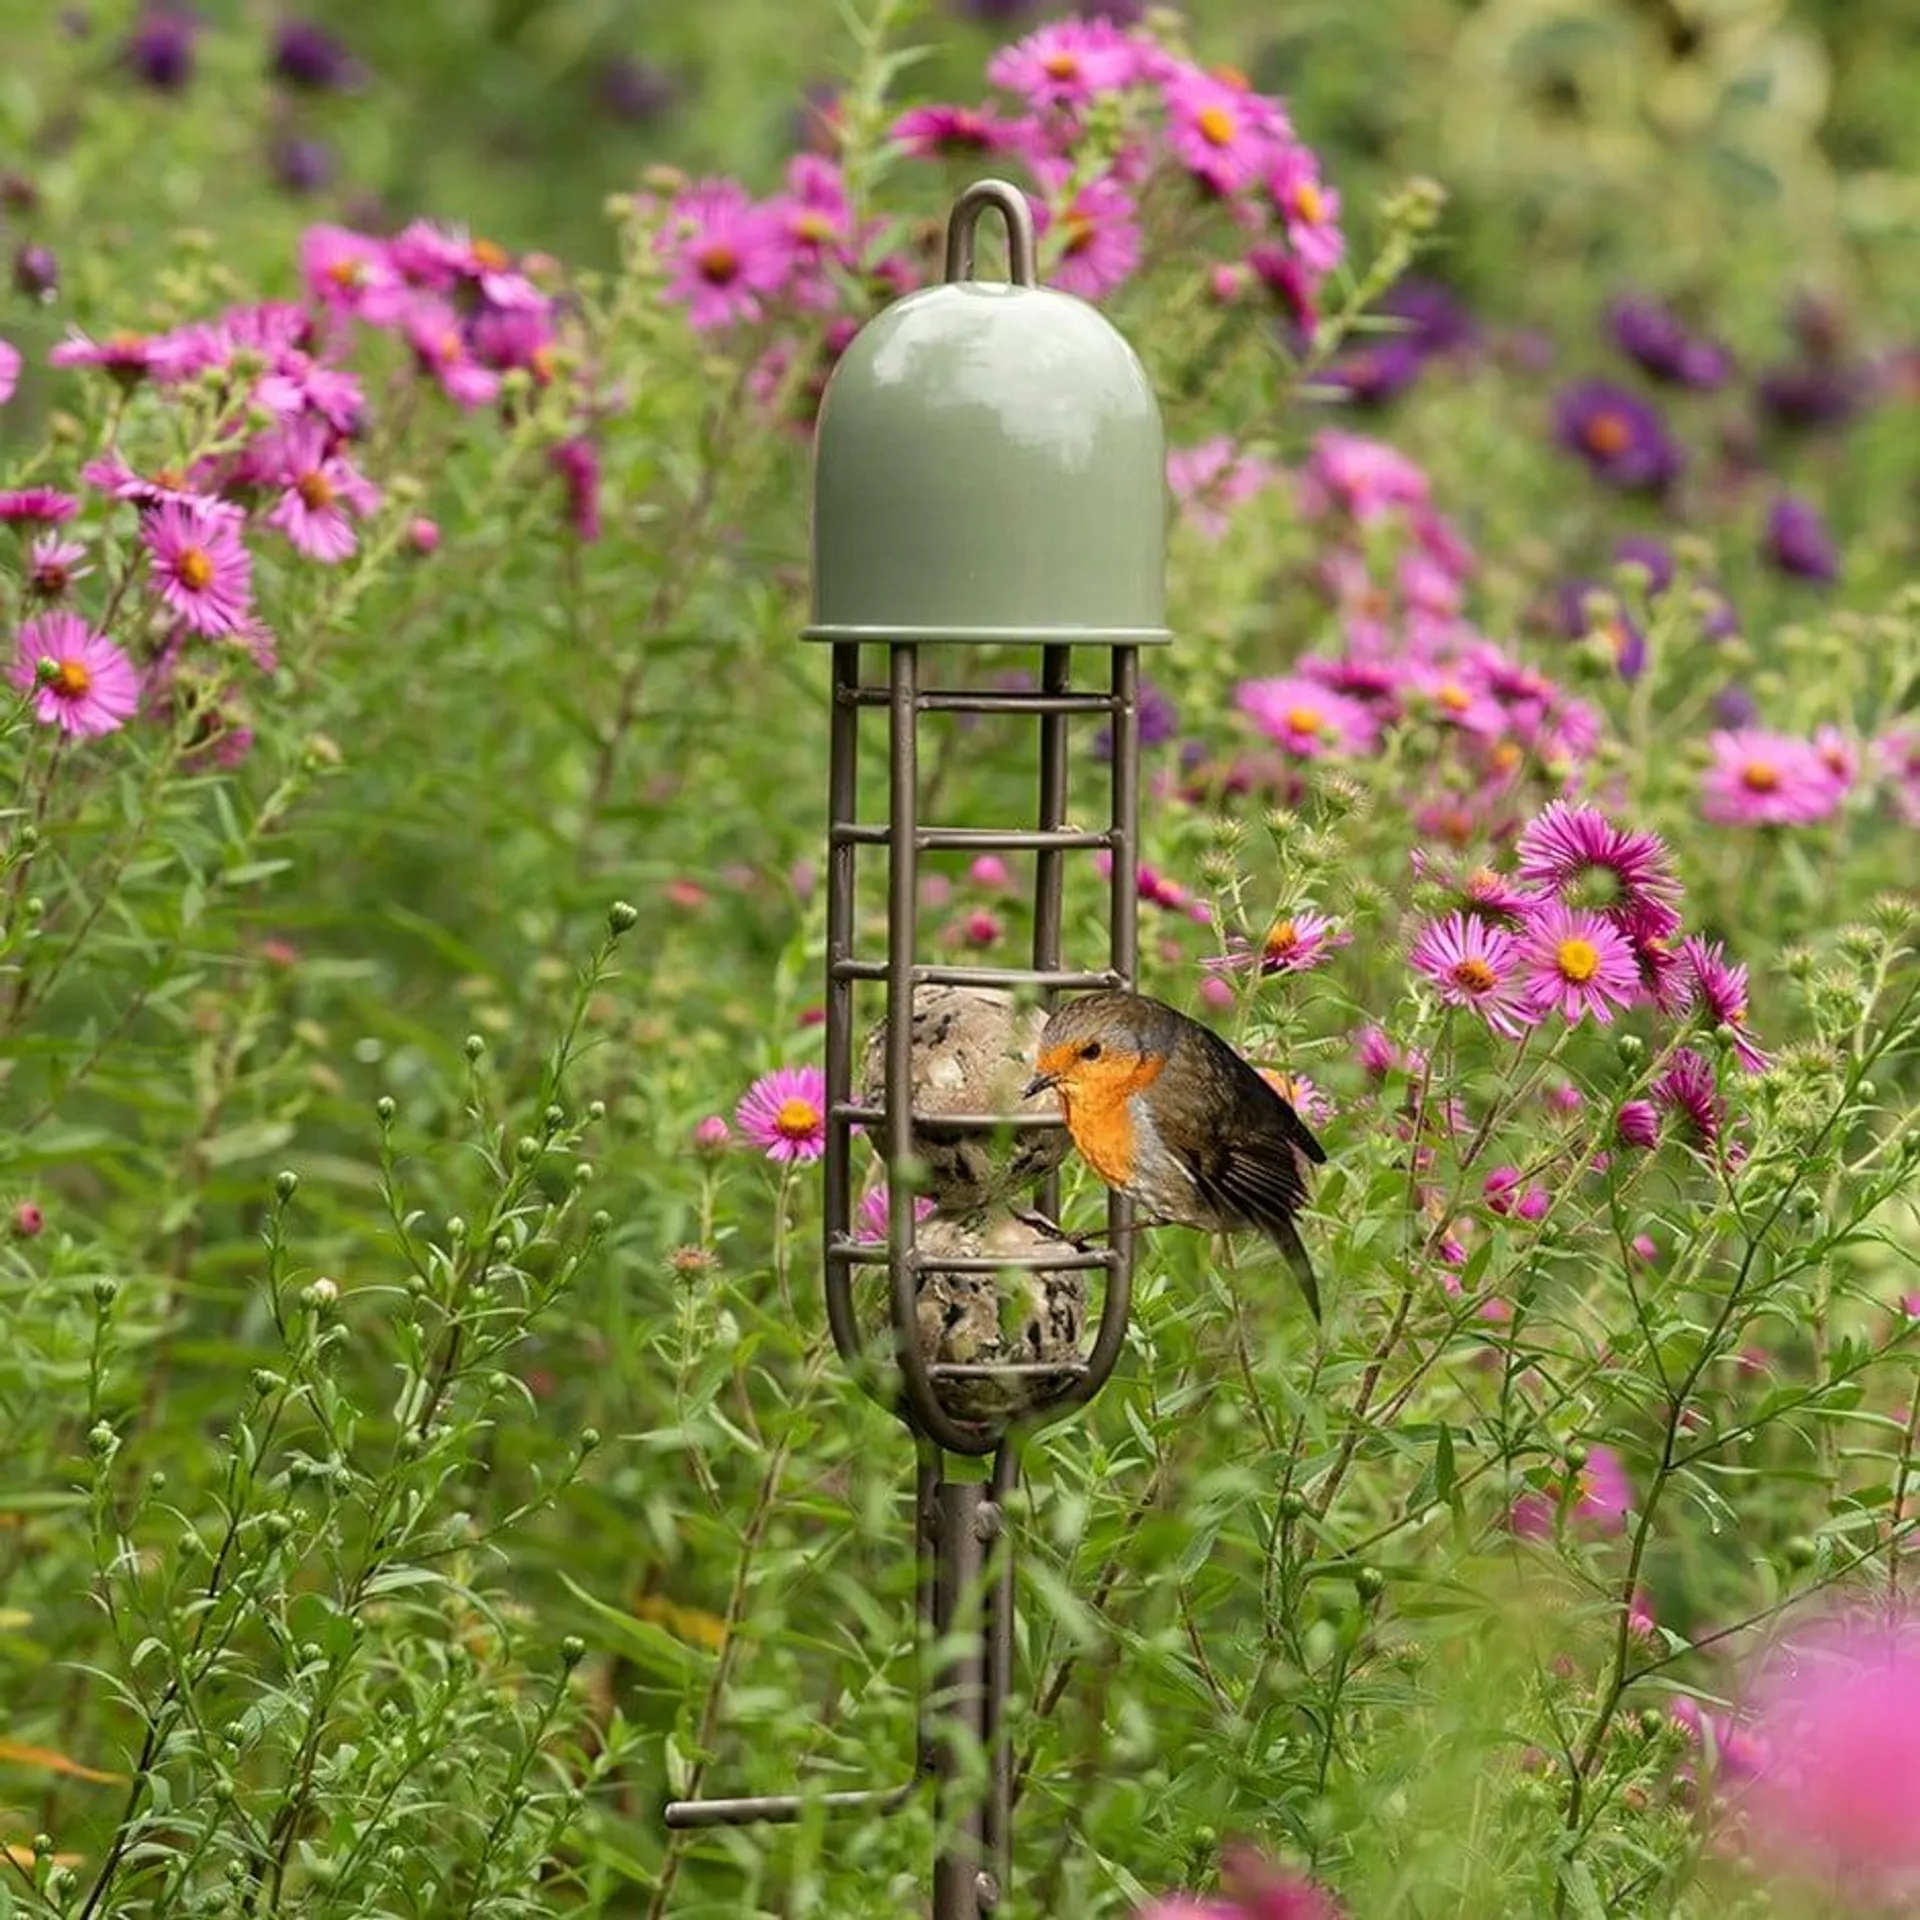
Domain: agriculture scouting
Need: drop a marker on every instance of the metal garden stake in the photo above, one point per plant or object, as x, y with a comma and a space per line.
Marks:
988, 472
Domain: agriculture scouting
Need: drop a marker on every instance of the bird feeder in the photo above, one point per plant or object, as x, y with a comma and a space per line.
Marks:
989, 472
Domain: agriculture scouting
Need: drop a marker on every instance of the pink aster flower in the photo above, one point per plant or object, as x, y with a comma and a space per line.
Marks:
352, 272
1576, 963
201, 568
712, 1135
53, 565
1307, 718
36, 507
1836, 1713
127, 357
93, 687
724, 253
1720, 992
441, 349
323, 494
1068, 64
1478, 890
1220, 130
9, 370
1599, 1501
1688, 1091
1456, 697
873, 1218
952, 133
1637, 1124
1211, 479
1295, 943
785, 1112
813, 220
1476, 965
1508, 1195
1099, 239
1761, 779
1309, 209
1571, 848
1365, 479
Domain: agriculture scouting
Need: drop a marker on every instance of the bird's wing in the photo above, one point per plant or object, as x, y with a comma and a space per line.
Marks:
1247, 1086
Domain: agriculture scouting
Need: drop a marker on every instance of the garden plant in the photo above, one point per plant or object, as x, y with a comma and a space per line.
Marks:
424, 1451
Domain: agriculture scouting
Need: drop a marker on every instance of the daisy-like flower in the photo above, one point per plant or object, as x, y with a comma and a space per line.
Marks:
1648, 927
1210, 480
1896, 754
724, 253
1365, 479
1295, 943
785, 1113
1637, 1124
873, 1218
1797, 542
1309, 209
441, 348
1300, 1093
352, 272
1687, 1090
93, 687
126, 357
1068, 64
1307, 718
1454, 696
201, 567
1599, 1502
1475, 965
1590, 861
1220, 130
1762, 779
1661, 344
952, 133
1620, 437
1577, 963
1720, 992
9, 370
323, 494
814, 221
1839, 755
1478, 890
53, 565
1099, 239
34, 507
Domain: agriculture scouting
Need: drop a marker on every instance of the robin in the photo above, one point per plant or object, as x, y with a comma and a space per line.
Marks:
1168, 1113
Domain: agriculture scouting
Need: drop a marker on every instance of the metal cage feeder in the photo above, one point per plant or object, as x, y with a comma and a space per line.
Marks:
989, 470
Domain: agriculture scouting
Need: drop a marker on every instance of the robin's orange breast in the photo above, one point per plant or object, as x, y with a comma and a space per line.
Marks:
1100, 1116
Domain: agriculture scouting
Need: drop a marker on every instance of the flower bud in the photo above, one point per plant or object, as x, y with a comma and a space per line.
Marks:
622, 917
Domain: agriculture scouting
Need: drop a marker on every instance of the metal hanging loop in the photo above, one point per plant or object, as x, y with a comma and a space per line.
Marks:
1013, 208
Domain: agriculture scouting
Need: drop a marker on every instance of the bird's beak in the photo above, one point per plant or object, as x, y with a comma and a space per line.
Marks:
1038, 1084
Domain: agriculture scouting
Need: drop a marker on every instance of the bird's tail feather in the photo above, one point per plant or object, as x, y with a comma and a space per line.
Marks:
1283, 1235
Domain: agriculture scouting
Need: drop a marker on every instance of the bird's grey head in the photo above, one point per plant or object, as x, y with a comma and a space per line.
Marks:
1094, 1030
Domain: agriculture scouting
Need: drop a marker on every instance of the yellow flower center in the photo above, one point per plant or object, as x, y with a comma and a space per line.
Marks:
316, 490
1216, 126
71, 680
1282, 937
1303, 719
718, 263
1060, 65
811, 224
1308, 203
1475, 975
1760, 776
194, 569
1608, 433
797, 1119
1578, 960
489, 254
1505, 757
1079, 229
1454, 697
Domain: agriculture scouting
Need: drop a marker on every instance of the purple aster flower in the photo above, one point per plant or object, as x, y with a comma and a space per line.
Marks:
307, 55
1159, 722
1687, 1090
1576, 963
1762, 779
1068, 64
9, 371
1648, 927
1378, 371
785, 1113
1099, 238
1307, 207
1660, 343
725, 253
301, 163
92, 688
323, 495
632, 90
1798, 543
160, 48
1720, 992
36, 273
1576, 850
53, 565
1296, 943
201, 568
36, 507
952, 133
873, 1218
1306, 718
1620, 437
1219, 129
577, 461
1637, 549
1436, 321
1637, 1124
1804, 398
1477, 965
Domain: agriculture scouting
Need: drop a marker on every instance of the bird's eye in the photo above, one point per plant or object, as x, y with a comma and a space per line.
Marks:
1091, 1051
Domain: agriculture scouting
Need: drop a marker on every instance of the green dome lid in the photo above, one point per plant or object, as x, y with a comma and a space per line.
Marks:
989, 465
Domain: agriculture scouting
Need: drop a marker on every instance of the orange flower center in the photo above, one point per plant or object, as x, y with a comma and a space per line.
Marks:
1475, 975
1454, 697
344, 274
1482, 881
718, 263
1760, 776
71, 680
194, 569
316, 490
1079, 229
1308, 203
1216, 126
811, 224
1608, 433
1282, 937
1303, 719
1578, 960
1505, 757
1060, 65
542, 361
797, 1119
489, 254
